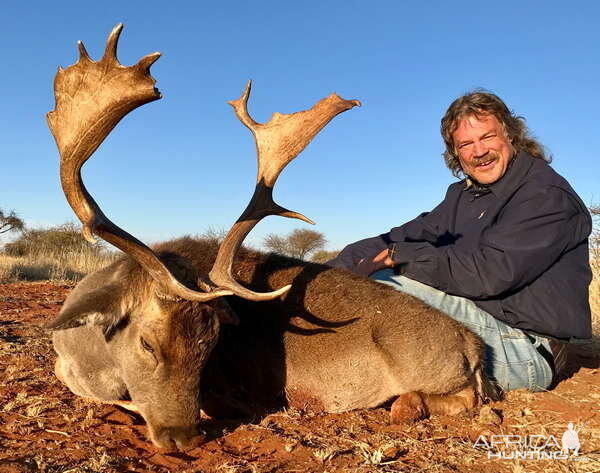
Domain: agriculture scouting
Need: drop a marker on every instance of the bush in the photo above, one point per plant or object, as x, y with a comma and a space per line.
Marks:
57, 253
51, 241
323, 256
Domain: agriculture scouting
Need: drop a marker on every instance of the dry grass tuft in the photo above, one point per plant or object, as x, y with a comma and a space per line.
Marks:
595, 296
595, 264
58, 254
56, 266
595, 284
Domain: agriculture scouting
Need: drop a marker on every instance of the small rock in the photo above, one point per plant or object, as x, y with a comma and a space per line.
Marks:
487, 416
526, 412
392, 452
289, 447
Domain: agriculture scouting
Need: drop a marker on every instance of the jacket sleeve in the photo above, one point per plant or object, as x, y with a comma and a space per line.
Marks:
428, 227
527, 238
353, 253
424, 228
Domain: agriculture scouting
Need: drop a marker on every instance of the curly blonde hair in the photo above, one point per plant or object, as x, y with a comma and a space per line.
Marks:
481, 102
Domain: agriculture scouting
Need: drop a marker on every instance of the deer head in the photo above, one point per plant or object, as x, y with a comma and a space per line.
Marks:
158, 317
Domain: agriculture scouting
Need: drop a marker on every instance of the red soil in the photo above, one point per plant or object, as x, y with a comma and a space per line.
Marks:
44, 427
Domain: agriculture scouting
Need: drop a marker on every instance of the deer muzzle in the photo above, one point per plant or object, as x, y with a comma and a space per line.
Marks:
169, 436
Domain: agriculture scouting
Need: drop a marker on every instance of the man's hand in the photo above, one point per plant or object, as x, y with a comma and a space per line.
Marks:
366, 267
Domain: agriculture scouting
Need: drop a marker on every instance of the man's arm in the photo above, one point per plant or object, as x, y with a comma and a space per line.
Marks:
359, 251
427, 227
528, 238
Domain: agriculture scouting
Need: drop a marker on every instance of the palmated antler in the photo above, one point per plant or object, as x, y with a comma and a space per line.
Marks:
278, 142
91, 98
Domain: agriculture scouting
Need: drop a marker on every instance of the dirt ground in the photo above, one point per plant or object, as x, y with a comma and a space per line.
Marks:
43, 427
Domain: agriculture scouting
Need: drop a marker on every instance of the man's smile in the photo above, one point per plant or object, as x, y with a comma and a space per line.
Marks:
486, 164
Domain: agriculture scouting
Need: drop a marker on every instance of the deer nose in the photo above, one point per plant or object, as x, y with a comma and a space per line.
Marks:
165, 437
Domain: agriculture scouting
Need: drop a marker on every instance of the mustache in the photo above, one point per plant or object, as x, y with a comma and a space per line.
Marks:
491, 155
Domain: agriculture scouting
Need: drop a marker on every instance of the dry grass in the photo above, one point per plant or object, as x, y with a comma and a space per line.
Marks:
595, 264
56, 265
595, 296
57, 254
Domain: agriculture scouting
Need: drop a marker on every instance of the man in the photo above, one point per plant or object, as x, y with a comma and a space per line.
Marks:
505, 253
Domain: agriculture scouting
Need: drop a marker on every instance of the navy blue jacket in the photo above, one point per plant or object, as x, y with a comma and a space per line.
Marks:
518, 249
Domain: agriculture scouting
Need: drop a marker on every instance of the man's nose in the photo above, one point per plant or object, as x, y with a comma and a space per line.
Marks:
479, 149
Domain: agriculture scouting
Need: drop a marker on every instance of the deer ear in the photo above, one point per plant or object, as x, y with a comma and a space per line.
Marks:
99, 306
225, 313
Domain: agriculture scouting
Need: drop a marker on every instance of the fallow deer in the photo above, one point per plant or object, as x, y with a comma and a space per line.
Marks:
144, 331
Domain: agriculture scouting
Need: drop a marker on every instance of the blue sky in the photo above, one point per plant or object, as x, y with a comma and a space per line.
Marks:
185, 163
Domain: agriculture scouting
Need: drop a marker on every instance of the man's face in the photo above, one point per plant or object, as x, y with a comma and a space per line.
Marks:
483, 148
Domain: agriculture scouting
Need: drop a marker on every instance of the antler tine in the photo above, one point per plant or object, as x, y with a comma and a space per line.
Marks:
240, 106
83, 54
91, 98
110, 52
278, 142
145, 63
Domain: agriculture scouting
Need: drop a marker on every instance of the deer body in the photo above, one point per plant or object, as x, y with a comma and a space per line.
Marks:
348, 342
334, 342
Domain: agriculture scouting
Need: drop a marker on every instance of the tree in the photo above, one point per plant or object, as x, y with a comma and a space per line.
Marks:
10, 222
299, 243
276, 244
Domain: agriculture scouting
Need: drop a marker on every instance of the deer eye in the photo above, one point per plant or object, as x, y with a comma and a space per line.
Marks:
146, 346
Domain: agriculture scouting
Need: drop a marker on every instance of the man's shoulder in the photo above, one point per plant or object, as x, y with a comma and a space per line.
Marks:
544, 177
542, 169
545, 182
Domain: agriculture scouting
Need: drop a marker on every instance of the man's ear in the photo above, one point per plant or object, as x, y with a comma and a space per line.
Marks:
99, 306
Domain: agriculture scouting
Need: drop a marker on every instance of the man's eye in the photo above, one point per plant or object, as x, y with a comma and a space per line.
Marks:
487, 137
463, 145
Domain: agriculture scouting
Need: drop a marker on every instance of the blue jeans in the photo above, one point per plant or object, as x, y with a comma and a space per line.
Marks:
511, 359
